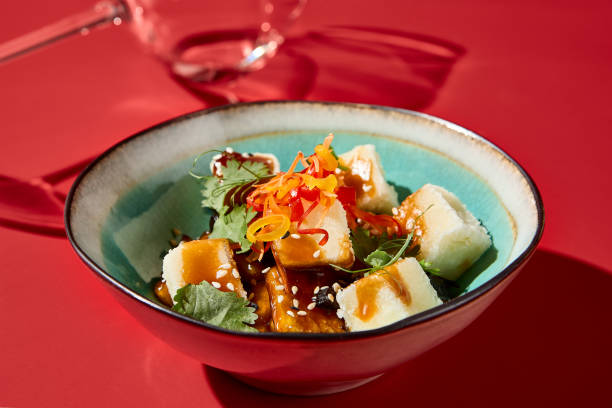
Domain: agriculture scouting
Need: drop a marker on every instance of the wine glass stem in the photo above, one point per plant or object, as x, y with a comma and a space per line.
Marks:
100, 15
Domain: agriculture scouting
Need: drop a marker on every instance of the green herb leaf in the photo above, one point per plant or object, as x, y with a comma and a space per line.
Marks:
233, 226
235, 176
378, 258
210, 305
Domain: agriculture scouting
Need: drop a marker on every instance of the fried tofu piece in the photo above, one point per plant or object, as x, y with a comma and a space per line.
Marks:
367, 176
450, 237
264, 312
206, 259
399, 291
304, 251
293, 309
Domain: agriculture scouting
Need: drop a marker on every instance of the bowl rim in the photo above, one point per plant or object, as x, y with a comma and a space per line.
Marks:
424, 316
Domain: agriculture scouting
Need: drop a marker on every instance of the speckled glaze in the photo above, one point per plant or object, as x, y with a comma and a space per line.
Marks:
121, 209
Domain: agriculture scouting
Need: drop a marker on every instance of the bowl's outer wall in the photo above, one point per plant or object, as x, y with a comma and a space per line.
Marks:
302, 365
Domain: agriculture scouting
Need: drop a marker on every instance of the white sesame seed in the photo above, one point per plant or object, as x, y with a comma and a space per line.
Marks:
337, 171
324, 287
230, 286
409, 224
419, 233
311, 306
302, 313
217, 165
294, 289
229, 150
235, 273
336, 287
417, 212
316, 253
225, 266
245, 155
330, 297
280, 298
366, 187
296, 303
279, 287
290, 313
265, 270
295, 236
358, 220
221, 273
316, 290
394, 211
216, 284
340, 313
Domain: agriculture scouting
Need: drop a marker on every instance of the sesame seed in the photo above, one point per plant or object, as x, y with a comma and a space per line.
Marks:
294, 289
394, 211
225, 266
302, 313
417, 212
311, 306
324, 287
316, 290
295, 236
265, 270
330, 297
279, 287
337, 171
340, 313
290, 313
229, 150
358, 220
221, 273
296, 303
235, 274
280, 298
336, 287
366, 187
230, 286
216, 284
316, 253
409, 224
419, 233
245, 155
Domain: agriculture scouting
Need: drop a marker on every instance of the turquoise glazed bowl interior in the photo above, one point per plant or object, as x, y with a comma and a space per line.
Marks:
122, 209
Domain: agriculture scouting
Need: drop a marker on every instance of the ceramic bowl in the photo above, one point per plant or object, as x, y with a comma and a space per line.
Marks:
121, 210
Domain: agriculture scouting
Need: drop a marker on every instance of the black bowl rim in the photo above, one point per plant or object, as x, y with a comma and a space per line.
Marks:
427, 315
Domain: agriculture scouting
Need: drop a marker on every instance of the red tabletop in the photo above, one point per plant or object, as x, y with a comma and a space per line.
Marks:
533, 77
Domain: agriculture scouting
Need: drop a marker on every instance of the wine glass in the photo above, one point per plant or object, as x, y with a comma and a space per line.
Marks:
199, 40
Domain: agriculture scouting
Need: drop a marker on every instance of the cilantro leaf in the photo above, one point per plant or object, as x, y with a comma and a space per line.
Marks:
233, 226
210, 305
235, 175
363, 242
378, 258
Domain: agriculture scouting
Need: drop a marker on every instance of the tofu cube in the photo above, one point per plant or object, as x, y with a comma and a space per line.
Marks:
303, 250
367, 176
450, 237
384, 297
206, 259
290, 308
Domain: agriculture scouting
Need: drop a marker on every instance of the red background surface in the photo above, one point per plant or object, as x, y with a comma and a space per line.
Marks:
534, 79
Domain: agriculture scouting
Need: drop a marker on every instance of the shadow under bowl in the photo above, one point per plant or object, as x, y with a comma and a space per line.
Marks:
121, 210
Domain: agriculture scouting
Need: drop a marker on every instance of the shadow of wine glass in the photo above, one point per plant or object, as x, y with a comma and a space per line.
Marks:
546, 341
348, 64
